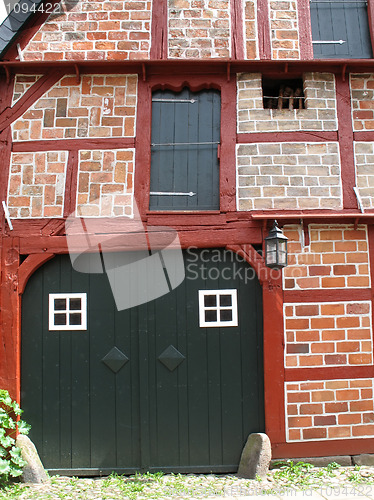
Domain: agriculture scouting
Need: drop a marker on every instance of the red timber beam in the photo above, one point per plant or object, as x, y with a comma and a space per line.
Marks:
365, 135
331, 447
272, 295
73, 144
305, 30
237, 26
142, 181
10, 114
199, 67
370, 8
71, 183
10, 317
263, 29
159, 34
307, 136
345, 128
327, 295
371, 262
209, 238
29, 266
6, 95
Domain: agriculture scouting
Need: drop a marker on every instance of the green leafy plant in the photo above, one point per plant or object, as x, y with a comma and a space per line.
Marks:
11, 462
295, 474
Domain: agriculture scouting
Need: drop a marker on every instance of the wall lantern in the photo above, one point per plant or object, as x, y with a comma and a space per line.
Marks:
276, 248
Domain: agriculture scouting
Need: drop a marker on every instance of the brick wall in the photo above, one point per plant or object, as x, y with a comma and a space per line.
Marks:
105, 183
330, 409
364, 159
199, 28
362, 94
288, 176
21, 84
337, 257
284, 29
100, 106
328, 334
320, 102
250, 29
96, 30
37, 184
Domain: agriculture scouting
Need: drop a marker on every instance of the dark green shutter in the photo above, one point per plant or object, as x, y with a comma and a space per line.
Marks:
185, 139
334, 21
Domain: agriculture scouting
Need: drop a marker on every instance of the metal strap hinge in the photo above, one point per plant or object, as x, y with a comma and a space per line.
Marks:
190, 101
170, 193
345, 2
184, 143
339, 42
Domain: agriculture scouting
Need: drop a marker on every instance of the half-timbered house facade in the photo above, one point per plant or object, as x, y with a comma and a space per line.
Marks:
201, 122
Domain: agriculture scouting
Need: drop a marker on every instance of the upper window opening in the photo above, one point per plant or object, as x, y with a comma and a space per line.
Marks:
340, 29
283, 94
186, 131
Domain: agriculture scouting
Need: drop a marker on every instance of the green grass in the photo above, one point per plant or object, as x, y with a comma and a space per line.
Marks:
303, 475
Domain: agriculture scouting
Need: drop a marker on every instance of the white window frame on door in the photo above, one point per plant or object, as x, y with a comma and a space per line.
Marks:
233, 308
82, 311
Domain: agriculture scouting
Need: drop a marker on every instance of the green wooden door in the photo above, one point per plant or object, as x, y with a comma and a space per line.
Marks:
146, 388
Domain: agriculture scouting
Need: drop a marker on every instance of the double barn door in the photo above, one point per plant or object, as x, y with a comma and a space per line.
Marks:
146, 388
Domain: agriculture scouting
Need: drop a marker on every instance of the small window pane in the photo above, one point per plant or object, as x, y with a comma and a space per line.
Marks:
75, 304
60, 304
60, 319
75, 319
225, 300
210, 301
218, 308
210, 316
226, 315
67, 311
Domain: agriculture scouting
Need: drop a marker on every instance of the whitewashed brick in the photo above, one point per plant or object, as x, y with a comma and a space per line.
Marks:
290, 174
364, 159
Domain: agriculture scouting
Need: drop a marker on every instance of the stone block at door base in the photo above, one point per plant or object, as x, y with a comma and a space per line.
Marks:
363, 459
255, 457
33, 472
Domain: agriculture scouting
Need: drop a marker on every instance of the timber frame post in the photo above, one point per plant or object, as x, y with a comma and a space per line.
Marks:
10, 325
274, 372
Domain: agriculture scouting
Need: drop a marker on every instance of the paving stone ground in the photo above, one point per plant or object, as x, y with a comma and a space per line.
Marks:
342, 483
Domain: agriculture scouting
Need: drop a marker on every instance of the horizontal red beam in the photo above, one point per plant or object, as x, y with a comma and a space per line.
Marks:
327, 295
256, 137
208, 238
73, 144
330, 447
319, 216
198, 66
328, 373
113, 225
363, 136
